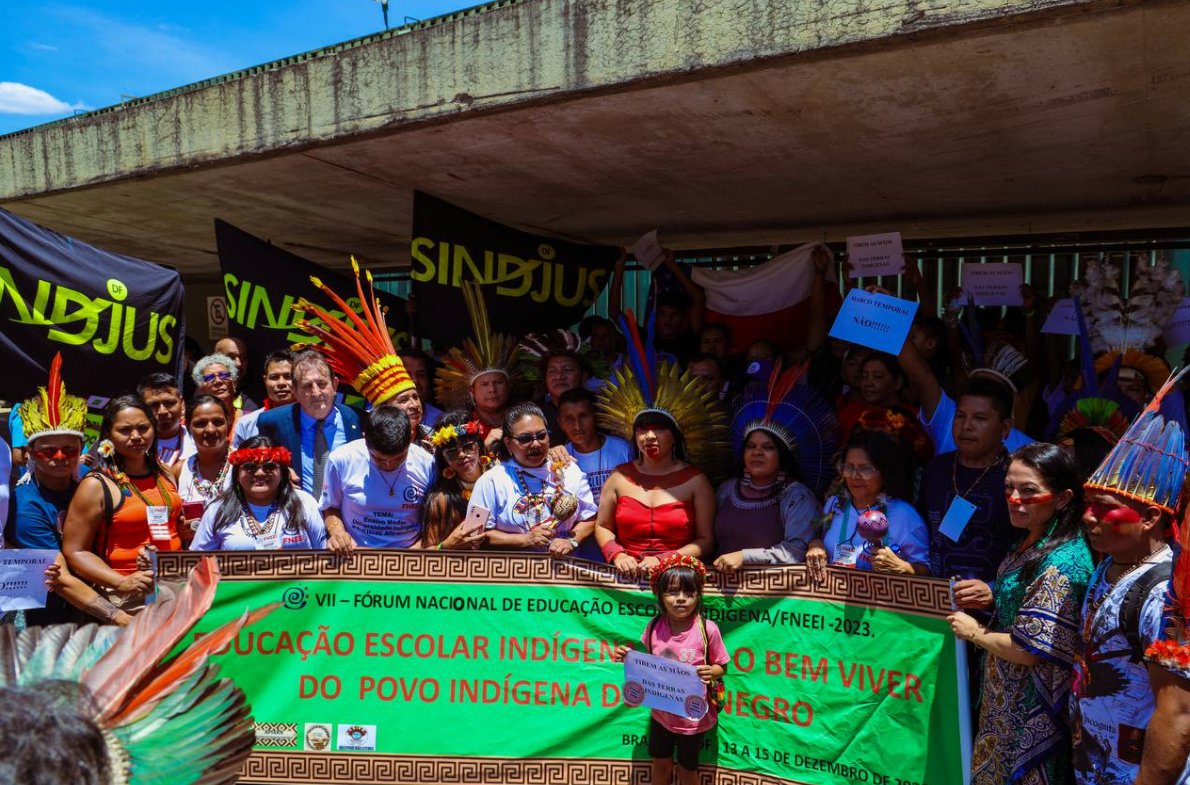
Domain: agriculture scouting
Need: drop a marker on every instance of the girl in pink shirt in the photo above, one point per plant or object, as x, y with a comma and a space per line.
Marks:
680, 632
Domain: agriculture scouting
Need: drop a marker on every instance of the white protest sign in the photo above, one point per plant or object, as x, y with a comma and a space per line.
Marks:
22, 578
1178, 329
665, 684
648, 251
1063, 319
994, 284
875, 254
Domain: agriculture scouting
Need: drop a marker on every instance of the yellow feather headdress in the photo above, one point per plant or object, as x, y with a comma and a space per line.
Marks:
52, 412
487, 352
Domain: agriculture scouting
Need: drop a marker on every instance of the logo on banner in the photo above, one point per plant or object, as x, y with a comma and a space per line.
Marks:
357, 738
318, 737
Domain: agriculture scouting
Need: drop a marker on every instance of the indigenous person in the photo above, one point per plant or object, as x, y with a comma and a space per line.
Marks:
420, 367
782, 432
681, 632
975, 471
237, 350
278, 387
216, 375
160, 393
206, 475
661, 501
130, 502
868, 522
561, 362
1032, 639
313, 426
881, 382
481, 373
708, 369
1131, 718
375, 486
459, 460
535, 503
680, 315
54, 424
263, 511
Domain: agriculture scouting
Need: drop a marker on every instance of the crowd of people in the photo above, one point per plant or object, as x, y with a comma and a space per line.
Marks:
1048, 490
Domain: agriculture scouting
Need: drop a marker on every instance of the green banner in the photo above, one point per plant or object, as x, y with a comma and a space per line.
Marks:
428, 667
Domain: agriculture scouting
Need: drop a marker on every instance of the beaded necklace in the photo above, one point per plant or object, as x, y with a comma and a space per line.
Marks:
207, 488
256, 528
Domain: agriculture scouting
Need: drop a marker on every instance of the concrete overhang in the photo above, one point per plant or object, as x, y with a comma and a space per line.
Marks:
722, 123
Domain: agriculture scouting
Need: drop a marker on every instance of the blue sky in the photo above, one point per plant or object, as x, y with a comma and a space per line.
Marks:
56, 57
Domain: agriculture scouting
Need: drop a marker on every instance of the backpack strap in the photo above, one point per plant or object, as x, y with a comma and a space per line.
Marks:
649, 633
706, 642
1133, 603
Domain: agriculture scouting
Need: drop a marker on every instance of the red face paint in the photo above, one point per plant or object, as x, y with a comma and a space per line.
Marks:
652, 450
1115, 516
1037, 498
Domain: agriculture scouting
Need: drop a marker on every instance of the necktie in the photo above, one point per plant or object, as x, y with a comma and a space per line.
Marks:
320, 451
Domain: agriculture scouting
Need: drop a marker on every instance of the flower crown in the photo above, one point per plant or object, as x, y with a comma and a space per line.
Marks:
675, 559
449, 433
260, 455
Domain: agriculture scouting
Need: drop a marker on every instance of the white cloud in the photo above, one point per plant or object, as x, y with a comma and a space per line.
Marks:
42, 47
17, 98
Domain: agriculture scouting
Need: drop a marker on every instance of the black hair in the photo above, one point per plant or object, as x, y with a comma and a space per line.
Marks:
589, 323
657, 419
1060, 472
418, 354
157, 381
386, 430
203, 399
576, 395
993, 389
702, 357
119, 404
887, 360
436, 527
894, 459
279, 356
1090, 448
786, 461
933, 327
232, 505
687, 580
679, 301
49, 736
517, 412
720, 326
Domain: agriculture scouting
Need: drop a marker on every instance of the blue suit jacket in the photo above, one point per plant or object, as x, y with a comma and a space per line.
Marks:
284, 426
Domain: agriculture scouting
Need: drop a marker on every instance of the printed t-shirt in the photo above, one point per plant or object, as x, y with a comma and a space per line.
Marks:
38, 515
1113, 698
499, 490
907, 536
237, 537
379, 509
686, 647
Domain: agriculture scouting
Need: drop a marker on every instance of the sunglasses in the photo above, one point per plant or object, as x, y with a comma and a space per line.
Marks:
454, 453
526, 439
57, 453
268, 468
223, 376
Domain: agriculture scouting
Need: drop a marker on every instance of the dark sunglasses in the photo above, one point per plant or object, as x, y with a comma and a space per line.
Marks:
269, 467
528, 438
223, 376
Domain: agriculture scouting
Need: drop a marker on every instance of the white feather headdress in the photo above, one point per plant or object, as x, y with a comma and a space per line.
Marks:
1116, 323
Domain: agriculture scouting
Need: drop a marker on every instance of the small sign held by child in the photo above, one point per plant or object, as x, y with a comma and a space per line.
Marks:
662, 683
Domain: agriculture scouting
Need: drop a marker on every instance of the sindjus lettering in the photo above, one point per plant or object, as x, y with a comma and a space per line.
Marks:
539, 279
76, 319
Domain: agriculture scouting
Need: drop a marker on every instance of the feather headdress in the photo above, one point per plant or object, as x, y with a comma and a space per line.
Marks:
145, 701
537, 348
1116, 323
1149, 463
487, 352
794, 414
52, 412
360, 351
649, 383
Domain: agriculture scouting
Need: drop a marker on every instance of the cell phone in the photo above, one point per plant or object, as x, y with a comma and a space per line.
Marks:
476, 520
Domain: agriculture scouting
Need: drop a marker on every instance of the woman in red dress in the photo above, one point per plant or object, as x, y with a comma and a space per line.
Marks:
656, 504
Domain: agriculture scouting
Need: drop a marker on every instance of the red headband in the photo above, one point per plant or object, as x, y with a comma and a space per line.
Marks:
260, 455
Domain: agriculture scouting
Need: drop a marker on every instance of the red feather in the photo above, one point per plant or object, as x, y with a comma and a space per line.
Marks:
53, 390
634, 336
779, 388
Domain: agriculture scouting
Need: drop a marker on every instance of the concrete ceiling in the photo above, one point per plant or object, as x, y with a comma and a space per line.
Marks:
1074, 123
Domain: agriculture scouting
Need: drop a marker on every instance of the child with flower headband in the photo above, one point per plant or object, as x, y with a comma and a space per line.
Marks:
681, 632
460, 458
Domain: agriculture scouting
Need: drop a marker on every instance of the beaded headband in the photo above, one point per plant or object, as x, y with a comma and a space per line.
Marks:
675, 559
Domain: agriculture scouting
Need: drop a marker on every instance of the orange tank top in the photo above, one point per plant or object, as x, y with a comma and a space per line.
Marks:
129, 531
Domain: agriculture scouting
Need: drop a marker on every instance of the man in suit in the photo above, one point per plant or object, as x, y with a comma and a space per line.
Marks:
314, 426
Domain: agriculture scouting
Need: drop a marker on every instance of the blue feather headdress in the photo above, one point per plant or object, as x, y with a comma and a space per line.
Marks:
794, 414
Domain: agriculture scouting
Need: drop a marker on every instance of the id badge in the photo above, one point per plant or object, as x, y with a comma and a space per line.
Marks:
158, 518
269, 541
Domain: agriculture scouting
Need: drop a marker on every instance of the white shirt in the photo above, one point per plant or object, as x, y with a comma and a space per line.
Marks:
167, 452
246, 427
500, 488
188, 483
908, 534
236, 537
599, 464
379, 509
